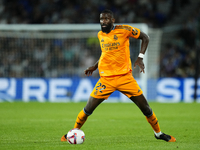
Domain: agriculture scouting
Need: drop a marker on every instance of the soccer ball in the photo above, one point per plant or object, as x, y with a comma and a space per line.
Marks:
75, 136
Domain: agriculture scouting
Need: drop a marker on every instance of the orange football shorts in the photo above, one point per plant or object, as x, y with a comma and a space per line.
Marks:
126, 84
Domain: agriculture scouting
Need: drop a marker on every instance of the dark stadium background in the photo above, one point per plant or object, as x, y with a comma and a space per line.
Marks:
179, 21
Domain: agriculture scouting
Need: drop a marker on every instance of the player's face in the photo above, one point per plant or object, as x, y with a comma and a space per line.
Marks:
106, 21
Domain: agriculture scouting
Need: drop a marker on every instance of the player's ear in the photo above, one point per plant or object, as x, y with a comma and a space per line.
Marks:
113, 20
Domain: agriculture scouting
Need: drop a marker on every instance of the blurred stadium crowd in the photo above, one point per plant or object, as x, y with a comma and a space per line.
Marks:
179, 55
177, 59
33, 57
153, 12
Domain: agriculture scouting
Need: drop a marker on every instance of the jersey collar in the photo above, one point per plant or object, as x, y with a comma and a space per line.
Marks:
113, 27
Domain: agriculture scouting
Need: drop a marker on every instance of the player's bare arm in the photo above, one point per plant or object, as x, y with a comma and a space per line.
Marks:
90, 69
145, 41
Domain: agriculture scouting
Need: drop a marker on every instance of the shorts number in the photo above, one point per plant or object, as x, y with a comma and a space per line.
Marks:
100, 85
103, 87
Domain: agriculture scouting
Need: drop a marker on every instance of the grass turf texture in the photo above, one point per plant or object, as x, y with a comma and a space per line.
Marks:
112, 126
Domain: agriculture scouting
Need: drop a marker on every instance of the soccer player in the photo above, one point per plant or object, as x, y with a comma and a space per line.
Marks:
115, 71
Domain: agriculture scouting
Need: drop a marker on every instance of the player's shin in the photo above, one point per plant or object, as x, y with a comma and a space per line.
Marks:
80, 120
154, 122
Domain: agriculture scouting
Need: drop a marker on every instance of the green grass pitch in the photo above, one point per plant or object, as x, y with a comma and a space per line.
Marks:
112, 126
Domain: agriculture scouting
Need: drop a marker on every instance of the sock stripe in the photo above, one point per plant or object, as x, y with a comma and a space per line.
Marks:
87, 113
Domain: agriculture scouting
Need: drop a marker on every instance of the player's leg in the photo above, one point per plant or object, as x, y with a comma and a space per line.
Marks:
143, 105
92, 103
129, 87
101, 91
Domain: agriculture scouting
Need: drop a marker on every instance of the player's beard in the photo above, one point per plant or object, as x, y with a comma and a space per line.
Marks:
106, 29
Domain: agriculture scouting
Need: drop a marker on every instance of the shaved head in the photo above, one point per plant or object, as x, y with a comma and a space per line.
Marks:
107, 11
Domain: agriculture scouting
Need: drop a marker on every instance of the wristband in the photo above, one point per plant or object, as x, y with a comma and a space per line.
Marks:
141, 55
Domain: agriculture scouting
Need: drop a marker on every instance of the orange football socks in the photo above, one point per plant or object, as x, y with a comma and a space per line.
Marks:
80, 120
154, 123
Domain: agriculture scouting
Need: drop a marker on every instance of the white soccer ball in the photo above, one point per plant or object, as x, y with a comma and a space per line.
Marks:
75, 136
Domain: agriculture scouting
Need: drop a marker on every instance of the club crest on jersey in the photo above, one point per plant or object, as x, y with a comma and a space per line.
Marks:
115, 37
102, 40
95, 93
134, 31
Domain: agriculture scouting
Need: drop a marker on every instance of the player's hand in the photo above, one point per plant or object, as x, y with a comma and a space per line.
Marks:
90, 70
140, 63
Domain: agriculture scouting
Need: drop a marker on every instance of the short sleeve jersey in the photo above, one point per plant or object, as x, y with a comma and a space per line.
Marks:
115, 56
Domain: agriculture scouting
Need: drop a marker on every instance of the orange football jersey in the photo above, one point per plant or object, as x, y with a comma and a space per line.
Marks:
115, 56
